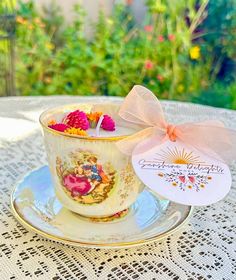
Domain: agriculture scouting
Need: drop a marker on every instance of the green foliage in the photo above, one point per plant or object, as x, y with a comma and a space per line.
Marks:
220, 25
54, 22
218, 95
7, 32
219, 36
7, 7
161, 54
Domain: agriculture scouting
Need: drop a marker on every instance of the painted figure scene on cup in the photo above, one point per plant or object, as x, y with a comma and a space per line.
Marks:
84, 178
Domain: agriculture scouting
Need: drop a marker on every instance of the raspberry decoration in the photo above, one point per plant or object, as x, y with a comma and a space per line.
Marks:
59, 127
108, 123
77, 119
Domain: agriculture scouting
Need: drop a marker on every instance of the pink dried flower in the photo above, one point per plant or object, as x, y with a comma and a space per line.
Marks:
59, 127
160, 38
129, 2
148, 64
171, 37
108, 123
77, 119
148, 28
160, 78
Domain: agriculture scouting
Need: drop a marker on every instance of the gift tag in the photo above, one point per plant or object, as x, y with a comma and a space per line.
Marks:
182, 174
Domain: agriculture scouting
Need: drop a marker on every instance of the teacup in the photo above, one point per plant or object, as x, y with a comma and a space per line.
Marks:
91, 176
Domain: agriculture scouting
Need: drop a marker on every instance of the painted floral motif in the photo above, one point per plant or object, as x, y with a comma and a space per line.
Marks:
191, 181
128, 179
183, 181
84, 178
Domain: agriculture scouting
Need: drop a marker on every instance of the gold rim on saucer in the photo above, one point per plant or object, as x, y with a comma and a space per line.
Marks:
35, 206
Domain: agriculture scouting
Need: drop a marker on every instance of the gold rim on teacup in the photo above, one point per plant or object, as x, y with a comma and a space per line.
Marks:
62, 109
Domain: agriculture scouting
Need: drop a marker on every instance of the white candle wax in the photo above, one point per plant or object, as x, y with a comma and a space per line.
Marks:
119, 131
121, 128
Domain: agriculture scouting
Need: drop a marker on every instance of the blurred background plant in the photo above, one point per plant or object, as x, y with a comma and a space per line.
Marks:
7, 42
183, 50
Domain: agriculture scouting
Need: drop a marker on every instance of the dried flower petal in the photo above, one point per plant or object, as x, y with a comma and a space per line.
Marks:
108, 123
77, 119
76, 131
59, 127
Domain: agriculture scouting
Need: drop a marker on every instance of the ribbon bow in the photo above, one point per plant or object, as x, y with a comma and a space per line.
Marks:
141, 107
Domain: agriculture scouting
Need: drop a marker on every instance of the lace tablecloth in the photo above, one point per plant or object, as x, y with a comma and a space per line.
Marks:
205, 248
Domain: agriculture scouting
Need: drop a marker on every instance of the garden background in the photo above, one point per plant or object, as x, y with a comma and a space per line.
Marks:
181, 50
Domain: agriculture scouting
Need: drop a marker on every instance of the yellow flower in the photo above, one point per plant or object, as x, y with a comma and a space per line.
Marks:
31, 27
195, 52
180, 88
94, 117
49, 46
52, 122
21, 20
158, 7
37, 20
110, 21
42, 25
48, 80
76, 131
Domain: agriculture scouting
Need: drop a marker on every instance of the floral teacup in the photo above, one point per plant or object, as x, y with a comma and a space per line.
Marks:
90, 174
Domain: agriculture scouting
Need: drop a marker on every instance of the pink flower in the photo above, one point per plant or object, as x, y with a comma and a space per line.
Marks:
129, 2
76, 185
59, 127
160, 78
160, 38
108, 123
148, 28
171, 37
77, 119
148, 64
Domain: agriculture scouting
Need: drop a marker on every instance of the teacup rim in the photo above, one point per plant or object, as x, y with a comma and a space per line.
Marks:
89, 138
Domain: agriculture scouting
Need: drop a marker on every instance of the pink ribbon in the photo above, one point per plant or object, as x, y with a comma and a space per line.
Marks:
141, 107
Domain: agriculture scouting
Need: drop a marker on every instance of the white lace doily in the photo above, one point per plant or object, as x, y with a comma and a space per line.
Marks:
203, 249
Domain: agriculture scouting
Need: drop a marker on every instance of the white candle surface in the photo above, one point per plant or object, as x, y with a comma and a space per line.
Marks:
121, 127
119, 131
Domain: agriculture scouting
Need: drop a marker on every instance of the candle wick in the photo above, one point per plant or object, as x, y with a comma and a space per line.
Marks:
99, 125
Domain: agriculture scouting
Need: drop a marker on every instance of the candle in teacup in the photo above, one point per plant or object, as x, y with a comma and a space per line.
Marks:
118, 131
90, 174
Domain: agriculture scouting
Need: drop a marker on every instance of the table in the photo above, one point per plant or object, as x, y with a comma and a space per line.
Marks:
202, 249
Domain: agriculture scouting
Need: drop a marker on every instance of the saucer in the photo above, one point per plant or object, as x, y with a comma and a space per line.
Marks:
149, 219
